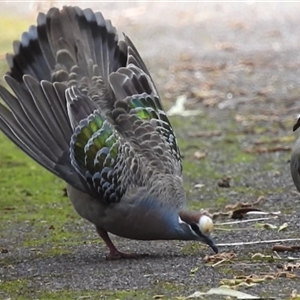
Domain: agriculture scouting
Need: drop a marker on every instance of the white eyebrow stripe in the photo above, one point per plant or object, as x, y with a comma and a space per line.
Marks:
180, 220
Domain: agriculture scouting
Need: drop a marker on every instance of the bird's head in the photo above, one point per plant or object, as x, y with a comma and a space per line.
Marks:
197, 226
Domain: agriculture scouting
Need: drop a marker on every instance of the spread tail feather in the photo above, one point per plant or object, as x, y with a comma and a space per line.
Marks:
61, 70
63, 39
36, 121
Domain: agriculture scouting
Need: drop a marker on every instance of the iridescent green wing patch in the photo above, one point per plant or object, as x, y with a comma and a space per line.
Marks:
146, 107
94, 153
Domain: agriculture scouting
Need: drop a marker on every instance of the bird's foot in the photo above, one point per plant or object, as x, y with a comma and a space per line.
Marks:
114, 253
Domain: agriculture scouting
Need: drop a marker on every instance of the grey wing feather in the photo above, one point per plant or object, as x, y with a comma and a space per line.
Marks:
24, 123
149, 133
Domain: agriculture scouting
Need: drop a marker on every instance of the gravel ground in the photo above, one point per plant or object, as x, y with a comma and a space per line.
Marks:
239, 64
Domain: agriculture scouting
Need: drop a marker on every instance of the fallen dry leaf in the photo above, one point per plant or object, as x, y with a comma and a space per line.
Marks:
295, 295
283, 248
237, 210
259, 150
266, 226
245, 204
288, 275
199, 155
256, 118
221, 257
283, 227
224, 182
241, 212
255, 279
291, 267
210, 102
225, 46
259, 256
246, 62
194, 270
285, 139
223, 291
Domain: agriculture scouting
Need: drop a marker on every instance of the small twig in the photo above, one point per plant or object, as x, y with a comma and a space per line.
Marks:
220, 262
275, 213
276, 253
233, 229
246, 221
256, 242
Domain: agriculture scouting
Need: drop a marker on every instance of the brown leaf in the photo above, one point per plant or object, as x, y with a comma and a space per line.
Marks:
287, 139
287, 275
244, 204
225, 182
257, 118
291, 267
256, 278
220, 257
210, 102
246, 62
283, 248
267, 149
225, 46
199, 155
240, 213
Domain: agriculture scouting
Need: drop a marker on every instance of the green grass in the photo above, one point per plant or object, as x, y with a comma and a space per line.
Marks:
10, 33
33, 196
24, 289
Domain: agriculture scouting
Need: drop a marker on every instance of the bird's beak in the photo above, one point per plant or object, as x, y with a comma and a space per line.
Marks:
212, 245
297, 125
209, 241
206, 239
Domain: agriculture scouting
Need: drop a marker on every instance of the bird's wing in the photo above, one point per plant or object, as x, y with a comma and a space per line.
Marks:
128, 149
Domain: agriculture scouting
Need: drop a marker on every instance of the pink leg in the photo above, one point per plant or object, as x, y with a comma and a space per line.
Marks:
114, 253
